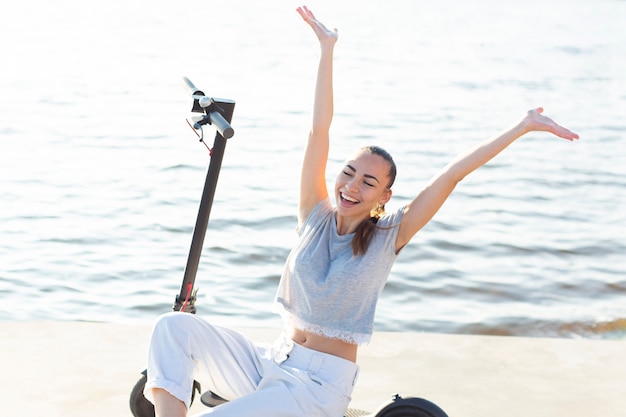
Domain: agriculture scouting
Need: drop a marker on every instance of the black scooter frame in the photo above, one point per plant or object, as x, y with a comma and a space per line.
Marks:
219, 113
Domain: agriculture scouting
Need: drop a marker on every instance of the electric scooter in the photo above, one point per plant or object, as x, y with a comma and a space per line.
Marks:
219, 113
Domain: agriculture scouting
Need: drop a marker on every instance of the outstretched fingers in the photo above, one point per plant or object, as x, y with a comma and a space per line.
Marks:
537, 121
306, 14
565, 133
321, 31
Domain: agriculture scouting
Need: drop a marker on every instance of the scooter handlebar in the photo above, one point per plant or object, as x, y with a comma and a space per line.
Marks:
202, 102
191, 88
221, 124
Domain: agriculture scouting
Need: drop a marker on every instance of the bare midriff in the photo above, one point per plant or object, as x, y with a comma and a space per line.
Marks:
323, 344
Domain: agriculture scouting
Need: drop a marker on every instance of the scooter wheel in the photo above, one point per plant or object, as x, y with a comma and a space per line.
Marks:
139, 406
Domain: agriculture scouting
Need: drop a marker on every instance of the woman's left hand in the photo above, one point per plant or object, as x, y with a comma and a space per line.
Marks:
536, 121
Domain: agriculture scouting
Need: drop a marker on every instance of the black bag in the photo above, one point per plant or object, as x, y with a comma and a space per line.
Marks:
408, 407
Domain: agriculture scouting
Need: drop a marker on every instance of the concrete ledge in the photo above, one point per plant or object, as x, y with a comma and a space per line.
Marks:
74, 369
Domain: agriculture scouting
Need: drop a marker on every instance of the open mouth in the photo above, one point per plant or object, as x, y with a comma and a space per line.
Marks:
346, 199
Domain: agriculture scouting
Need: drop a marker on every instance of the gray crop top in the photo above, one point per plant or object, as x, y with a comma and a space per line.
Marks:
324, 288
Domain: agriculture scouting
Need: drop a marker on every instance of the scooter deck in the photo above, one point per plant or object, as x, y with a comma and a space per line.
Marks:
352, 412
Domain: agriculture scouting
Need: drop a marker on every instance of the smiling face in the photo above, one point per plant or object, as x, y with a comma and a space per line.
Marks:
363, 184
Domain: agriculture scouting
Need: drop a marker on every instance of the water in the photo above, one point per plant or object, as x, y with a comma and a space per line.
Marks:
100, 176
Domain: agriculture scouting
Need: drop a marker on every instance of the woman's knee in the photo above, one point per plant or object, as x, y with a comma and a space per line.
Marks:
174, 320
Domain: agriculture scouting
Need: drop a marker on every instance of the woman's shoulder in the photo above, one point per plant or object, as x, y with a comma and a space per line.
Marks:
319, 212
392, 218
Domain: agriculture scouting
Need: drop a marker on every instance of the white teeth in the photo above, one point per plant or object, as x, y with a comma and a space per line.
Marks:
345, 197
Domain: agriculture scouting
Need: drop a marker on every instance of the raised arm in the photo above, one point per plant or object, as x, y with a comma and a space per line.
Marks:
313, 177
419, 212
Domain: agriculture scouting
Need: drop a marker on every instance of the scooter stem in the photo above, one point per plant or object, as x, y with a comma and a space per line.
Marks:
218, 113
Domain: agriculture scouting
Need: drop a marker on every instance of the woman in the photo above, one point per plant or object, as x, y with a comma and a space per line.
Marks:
330, 284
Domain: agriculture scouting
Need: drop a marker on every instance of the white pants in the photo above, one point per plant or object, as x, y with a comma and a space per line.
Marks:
279, 380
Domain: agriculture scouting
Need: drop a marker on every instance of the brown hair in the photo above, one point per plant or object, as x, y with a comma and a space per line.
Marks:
366, 229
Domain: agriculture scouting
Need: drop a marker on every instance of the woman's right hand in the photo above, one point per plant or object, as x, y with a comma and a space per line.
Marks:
325, 35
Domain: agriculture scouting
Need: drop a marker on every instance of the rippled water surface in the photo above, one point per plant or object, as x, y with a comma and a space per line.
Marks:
100, 176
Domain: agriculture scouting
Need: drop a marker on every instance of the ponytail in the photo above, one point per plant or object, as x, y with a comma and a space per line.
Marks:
365, 231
